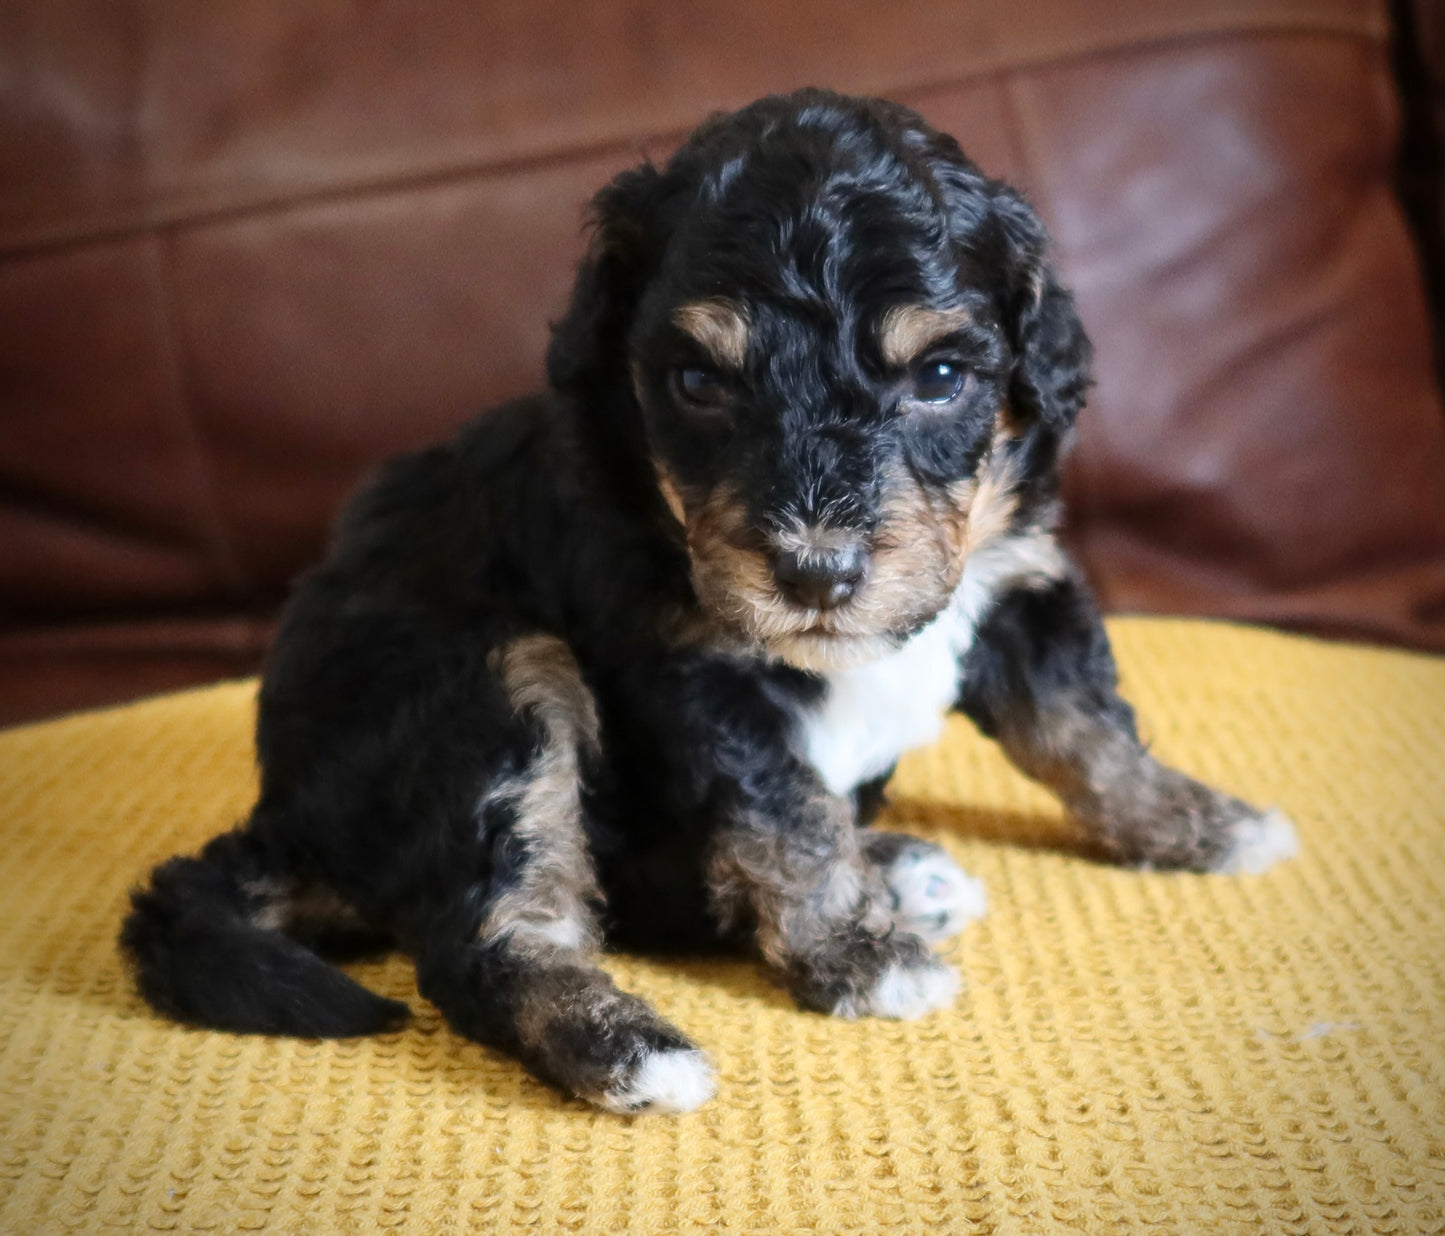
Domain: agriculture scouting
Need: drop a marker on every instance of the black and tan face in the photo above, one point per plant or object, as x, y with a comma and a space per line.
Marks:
832, 470
822, 332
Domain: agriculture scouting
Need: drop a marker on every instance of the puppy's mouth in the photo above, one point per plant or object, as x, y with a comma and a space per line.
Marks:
821, 650
910, 569
874, 622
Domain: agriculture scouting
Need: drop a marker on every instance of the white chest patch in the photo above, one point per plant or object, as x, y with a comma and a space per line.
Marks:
874, 713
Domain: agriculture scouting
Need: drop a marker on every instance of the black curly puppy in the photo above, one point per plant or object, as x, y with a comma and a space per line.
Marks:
629, 660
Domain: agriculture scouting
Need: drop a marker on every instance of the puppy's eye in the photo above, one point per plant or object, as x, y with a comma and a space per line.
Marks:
700, 386
939, 381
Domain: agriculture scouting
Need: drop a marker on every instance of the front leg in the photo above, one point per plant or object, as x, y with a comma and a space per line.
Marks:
787, 865
1040, 678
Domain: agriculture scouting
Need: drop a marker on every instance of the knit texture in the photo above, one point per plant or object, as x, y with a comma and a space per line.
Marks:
1132, 1052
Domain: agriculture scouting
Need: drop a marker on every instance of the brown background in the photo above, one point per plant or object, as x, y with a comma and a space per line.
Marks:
250, 247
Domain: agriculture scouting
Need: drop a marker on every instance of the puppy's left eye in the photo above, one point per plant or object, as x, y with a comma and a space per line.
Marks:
700, 386
939, 381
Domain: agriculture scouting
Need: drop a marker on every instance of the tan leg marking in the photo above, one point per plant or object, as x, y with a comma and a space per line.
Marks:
550, 907
818, 910
1139, 810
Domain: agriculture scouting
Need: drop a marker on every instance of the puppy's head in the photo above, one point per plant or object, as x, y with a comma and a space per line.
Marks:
840, 351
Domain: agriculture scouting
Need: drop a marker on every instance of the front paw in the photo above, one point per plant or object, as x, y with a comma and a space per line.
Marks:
1257, 844
929, 894
1165, 820
859, 974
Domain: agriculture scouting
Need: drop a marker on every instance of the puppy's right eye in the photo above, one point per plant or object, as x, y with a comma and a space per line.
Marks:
699, 386
939, 381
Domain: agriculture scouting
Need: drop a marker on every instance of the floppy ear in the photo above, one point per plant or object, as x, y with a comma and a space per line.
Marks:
1050, 379
588, 351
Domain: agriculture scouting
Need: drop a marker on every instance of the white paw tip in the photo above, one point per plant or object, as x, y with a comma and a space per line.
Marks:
665, 1081
1259, 843
906, 992
934, 896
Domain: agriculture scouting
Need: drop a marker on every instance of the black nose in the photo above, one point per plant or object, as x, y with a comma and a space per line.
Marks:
819, 579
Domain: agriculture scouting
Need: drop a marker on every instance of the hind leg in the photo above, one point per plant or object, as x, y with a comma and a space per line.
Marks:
508, 959
552, 1008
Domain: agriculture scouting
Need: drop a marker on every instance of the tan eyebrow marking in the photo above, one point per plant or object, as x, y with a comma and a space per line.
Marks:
719, 325
907, 331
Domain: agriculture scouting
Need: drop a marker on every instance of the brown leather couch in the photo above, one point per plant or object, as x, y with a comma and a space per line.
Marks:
249, 247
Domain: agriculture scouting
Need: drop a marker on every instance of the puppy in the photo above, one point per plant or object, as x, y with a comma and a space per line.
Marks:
632, 660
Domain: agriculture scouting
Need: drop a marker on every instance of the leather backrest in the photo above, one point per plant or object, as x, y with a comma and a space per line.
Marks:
248, 248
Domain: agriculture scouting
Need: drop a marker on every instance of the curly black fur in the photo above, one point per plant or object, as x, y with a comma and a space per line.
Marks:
625, 661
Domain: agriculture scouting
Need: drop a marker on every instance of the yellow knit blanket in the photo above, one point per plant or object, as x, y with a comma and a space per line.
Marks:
1133, 1052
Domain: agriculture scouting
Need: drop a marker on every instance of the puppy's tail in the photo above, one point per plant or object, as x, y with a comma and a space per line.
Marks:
203, 953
